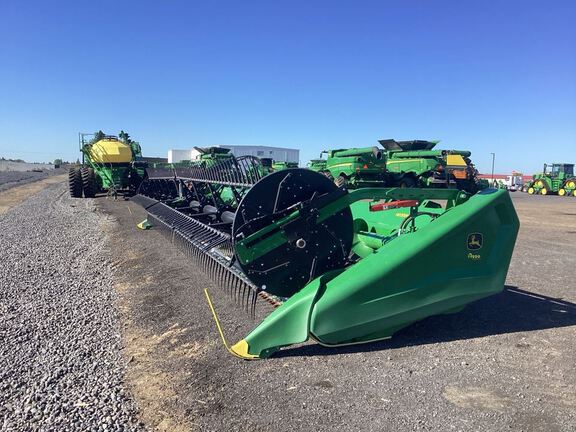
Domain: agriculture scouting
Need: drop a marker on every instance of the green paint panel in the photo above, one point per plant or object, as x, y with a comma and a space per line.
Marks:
444, 259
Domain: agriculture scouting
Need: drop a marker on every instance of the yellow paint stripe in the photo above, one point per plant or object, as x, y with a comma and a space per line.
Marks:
340, 164
402, 161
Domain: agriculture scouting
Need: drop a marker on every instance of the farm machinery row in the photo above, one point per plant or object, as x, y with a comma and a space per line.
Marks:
404, 164
111, 164
343, 266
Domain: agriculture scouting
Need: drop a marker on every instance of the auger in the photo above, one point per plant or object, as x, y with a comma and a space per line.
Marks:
344, 266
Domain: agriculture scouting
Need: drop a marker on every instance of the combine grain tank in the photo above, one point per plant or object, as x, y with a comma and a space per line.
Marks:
342, 267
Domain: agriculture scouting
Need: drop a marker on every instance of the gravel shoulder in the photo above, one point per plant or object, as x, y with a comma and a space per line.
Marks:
504, 363
61, 367
11, 197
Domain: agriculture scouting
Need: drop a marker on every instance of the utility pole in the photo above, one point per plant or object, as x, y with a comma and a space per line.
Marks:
493, 157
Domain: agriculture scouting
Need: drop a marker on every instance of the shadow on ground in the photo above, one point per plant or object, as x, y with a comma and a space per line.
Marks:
513, 310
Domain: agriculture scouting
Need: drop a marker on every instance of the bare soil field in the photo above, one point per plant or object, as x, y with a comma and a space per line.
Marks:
504, 363
14, 178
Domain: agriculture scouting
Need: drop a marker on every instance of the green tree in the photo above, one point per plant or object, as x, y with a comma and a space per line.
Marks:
97, 137
134, 145
124, 137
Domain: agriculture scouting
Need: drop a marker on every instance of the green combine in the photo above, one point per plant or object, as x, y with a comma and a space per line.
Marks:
210, 156
559, 180
353, 167
417, 164
281, 165
318, 165
340, 266
109, 164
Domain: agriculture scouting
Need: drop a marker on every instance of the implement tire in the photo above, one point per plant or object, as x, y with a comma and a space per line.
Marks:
407, 182
88, 182
75, 182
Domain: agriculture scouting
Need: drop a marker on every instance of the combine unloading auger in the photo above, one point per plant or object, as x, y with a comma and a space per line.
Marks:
347, 267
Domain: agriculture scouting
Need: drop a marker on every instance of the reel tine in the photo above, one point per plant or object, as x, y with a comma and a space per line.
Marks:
208, 247
244, 298
254, 299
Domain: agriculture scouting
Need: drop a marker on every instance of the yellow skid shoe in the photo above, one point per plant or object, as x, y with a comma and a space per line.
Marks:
144, 225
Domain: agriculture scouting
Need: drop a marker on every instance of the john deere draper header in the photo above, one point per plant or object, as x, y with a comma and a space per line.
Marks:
345, 266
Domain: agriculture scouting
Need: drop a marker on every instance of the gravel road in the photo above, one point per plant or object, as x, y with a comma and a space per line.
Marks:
60, 357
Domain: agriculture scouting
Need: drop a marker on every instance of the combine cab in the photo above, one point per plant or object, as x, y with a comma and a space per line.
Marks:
354, 167
342, 267
559, 180
108, 165
417, 164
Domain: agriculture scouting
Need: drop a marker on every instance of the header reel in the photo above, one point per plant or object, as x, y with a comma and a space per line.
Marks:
302, 248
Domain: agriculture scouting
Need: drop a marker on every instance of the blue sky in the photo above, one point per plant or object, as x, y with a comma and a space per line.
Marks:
491, 76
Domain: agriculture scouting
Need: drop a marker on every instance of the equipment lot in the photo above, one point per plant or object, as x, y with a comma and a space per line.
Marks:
504, 363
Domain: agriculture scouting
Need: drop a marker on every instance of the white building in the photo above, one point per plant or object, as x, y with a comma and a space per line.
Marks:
175, 155
279, 154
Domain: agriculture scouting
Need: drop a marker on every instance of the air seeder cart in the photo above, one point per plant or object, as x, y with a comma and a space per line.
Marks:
108, 165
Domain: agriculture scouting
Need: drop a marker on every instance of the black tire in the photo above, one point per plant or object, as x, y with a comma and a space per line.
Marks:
75, 182
88, 182
407, 182
341, 181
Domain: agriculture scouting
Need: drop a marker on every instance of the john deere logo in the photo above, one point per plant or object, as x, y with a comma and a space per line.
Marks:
475, 241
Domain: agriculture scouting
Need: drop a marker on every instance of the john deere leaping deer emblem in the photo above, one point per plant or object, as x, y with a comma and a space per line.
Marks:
475, 241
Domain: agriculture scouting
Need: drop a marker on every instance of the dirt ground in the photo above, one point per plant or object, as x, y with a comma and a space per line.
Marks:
504, 363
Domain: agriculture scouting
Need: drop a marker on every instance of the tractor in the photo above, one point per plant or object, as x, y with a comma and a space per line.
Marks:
559, 180
416, 164
109, 164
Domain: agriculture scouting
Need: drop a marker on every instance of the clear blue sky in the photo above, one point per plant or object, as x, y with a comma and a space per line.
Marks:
488, 76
